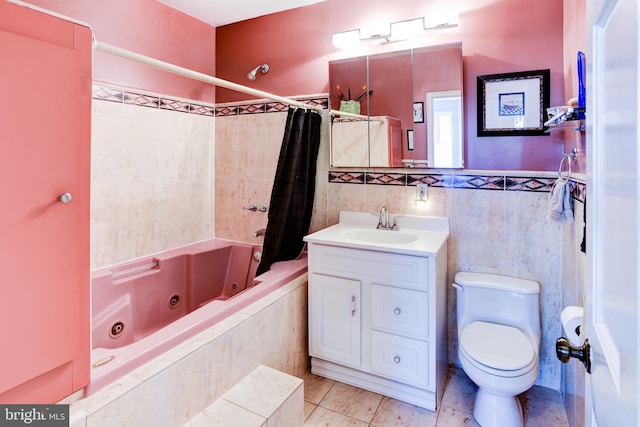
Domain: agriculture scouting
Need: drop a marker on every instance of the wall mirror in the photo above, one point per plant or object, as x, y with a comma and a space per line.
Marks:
411, 106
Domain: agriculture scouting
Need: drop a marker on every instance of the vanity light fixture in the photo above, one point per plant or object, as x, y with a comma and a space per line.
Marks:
404, 30
375, 31
394, 31
421, 196
440, 19
346, 38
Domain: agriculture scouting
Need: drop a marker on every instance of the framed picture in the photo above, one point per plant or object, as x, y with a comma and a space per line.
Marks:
410, 139
512, 103
418, 112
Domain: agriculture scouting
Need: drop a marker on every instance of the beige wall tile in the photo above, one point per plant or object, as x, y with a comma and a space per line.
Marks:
152, 181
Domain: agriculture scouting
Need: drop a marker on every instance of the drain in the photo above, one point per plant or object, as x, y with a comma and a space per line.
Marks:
116, 329
174, 301
234, 286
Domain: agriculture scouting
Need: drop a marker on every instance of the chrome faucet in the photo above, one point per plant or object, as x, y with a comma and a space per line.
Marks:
259, 232
383, 220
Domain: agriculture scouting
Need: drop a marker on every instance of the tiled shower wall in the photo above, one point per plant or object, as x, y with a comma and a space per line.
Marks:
248, 140
156, 191
151, 174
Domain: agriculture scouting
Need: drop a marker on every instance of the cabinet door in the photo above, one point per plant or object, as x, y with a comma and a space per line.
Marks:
45, 86
334, 319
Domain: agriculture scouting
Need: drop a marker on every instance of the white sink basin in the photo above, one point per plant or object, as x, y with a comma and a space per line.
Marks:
418, 235
379, 236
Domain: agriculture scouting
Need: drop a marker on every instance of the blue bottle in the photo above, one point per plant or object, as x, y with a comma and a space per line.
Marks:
582, 90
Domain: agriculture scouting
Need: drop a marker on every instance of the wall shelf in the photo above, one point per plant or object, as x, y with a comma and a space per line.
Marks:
571, 118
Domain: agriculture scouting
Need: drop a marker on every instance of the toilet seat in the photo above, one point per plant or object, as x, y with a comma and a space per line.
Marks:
498, 349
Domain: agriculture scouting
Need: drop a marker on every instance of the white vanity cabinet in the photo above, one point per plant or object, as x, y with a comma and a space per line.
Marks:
377, 318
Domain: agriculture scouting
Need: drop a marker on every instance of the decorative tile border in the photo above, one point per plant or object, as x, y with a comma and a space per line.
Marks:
231, 110
111, 94
462, 181
529, 184
439, 181
346, 177
259, 107
579, 190
386, 178
141, 99
105, 93
479, 182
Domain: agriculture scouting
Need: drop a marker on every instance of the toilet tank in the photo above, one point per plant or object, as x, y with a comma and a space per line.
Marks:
499, 299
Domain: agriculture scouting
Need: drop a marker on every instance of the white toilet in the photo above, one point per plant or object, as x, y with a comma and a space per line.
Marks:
498, 319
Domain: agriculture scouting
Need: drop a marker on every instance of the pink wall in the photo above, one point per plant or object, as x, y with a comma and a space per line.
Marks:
497, 36
149, 28
575, 39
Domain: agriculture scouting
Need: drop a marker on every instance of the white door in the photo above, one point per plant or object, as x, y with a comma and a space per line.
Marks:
611, 318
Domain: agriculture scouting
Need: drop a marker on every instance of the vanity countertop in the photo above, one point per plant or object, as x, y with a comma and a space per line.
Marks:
417, 235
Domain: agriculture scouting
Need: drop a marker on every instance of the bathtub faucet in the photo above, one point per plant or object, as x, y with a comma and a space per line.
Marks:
259, 232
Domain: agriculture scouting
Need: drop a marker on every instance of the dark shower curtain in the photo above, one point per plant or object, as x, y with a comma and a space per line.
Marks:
294, 186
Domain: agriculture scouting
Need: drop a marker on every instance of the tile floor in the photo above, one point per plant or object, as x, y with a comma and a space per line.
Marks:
332, 404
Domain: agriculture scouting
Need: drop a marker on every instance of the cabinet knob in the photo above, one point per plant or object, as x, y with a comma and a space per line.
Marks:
397, 311
396, 359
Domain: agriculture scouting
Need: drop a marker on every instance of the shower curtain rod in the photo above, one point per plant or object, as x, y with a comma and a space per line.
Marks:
185, 72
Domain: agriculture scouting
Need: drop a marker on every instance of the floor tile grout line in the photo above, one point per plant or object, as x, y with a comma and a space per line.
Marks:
311, 413
326, 394
376, 411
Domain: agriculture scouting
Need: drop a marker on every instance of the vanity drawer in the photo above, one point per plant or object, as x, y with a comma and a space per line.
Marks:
400, 311
399, 358
405, 271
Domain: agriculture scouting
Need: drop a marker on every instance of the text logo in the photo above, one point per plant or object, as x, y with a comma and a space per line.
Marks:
34, 415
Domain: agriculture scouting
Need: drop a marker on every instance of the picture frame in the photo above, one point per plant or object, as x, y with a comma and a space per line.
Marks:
513, 104
418, 112
409, 139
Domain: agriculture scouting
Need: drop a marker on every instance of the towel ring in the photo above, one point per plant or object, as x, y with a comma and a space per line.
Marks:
568, 157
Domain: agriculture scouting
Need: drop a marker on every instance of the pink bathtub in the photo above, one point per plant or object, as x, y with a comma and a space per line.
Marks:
144, 307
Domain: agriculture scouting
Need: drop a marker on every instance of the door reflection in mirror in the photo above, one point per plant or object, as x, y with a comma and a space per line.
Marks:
444, 127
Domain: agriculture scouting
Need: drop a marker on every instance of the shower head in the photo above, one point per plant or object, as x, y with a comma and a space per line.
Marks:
263, 68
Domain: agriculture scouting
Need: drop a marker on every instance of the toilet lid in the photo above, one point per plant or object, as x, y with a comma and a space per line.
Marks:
497, 346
